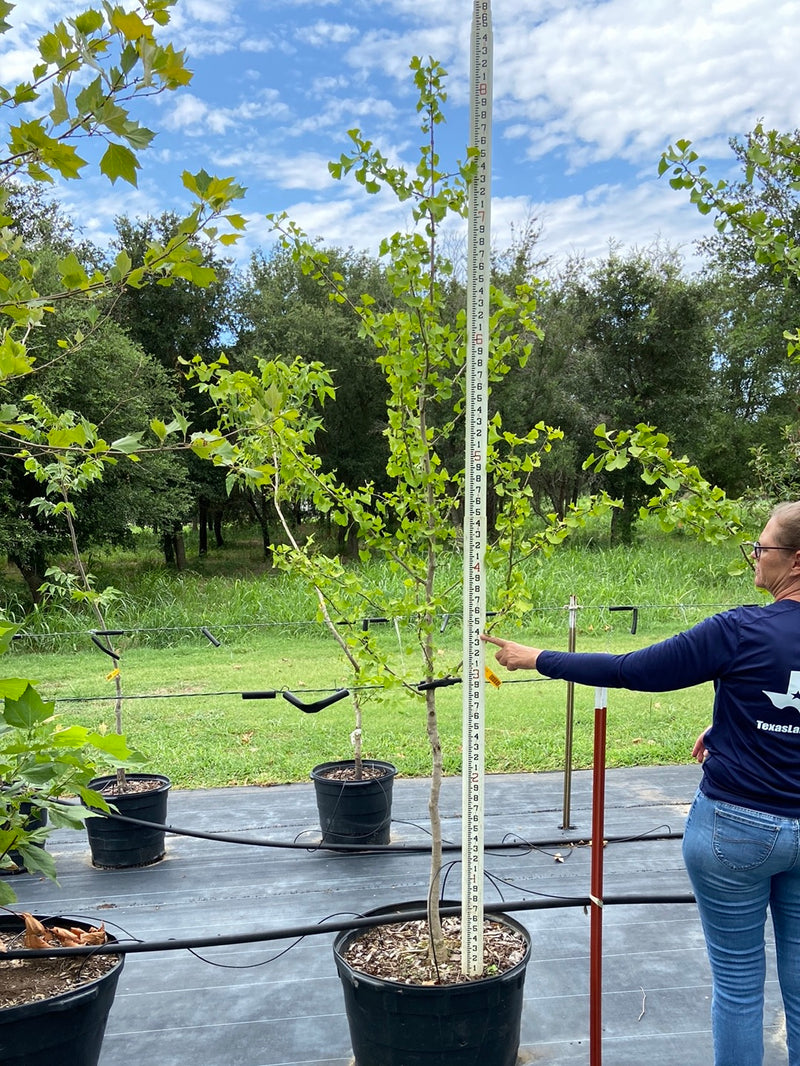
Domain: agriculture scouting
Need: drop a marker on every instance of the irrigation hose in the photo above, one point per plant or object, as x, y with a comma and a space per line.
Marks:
300, 931
411, 848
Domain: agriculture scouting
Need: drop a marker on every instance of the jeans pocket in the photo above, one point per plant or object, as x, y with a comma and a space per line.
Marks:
741, 842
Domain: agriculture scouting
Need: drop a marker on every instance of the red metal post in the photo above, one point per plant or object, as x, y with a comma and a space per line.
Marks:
596, 929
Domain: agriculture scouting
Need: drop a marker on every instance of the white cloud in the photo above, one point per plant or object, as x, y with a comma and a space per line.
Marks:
586, 225
587, 95
320, 34
188, 111
257, 44
623, 78
299, 170
195, 117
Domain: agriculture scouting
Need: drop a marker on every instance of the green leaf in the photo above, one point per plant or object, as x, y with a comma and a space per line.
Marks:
73, 275
130, 24
5, 9
7, 895
28, 710
120, 162
131, 443
88, 22
13, 688
60, 111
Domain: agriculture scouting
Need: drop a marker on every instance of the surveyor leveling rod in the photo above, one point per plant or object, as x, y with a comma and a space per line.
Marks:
477, 408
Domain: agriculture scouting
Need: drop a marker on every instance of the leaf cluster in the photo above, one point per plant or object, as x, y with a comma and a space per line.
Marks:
41, 761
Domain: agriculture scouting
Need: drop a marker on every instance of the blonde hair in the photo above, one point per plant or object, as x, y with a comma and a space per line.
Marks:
787, 516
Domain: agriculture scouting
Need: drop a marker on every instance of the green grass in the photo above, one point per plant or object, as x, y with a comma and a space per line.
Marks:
195, 726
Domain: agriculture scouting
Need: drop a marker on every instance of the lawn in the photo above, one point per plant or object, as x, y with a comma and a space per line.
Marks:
184, 708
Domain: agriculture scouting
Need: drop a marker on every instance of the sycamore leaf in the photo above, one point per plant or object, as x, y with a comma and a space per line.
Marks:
7, 632
6, 892
88, 22
5, 9
128, 444
12, 688
60, 109
28, 710
130, 25
73, 275
119, 162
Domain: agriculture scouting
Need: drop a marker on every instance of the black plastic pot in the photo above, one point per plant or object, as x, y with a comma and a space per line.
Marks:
67, 1029
116, 844
354, 812
476, 1023
36, 819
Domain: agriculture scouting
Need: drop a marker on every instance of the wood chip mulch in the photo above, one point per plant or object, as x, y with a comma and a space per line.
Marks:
30, 980
401, 952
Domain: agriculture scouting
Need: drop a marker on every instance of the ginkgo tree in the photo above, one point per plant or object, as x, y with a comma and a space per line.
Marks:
268, 420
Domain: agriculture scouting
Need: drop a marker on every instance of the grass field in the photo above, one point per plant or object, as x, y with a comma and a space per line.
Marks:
184, 708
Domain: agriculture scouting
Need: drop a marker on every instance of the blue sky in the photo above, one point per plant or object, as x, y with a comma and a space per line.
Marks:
587, 95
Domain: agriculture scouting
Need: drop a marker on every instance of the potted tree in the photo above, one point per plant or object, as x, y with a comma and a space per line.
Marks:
267, 423
49, 1007
354, 795
61, 452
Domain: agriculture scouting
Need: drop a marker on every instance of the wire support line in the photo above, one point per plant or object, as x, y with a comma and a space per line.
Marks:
328, 926
266, 694
446, 616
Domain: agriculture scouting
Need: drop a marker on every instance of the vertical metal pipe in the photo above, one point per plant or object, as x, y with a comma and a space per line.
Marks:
567, 806
596, 893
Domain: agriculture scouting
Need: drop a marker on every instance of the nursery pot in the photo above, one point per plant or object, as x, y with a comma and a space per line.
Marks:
116, 844
476, 1023
66, 1029
354, 812
36, 819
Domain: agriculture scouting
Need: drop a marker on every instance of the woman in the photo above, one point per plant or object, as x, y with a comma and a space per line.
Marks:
742, 840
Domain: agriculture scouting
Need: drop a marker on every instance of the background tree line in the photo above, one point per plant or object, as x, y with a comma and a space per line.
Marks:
633, 338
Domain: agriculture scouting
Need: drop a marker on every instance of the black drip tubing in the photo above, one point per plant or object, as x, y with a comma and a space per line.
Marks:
230, 838
299, 931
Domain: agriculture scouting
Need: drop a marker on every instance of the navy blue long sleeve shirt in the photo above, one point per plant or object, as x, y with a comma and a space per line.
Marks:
752, 655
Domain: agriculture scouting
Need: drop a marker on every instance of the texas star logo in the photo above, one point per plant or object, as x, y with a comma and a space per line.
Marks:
789, 698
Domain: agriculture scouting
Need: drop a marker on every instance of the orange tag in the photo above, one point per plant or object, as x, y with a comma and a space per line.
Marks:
114, 673
493, 679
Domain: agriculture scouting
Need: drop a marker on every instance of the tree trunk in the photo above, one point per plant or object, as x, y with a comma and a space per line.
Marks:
174, 548
202, 504
220, 543
622, 519
32, 567
258, 508
180, 550
434, 915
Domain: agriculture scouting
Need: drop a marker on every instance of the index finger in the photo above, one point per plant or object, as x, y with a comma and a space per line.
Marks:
493, 640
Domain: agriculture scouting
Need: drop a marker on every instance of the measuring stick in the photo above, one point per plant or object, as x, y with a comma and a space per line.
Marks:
477, 409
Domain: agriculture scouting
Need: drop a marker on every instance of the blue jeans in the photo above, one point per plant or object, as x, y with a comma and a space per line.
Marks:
741, 862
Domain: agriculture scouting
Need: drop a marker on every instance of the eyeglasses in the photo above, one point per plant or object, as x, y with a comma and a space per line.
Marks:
755, 548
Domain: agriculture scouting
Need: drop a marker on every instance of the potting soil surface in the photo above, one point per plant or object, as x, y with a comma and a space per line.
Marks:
278, 1002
